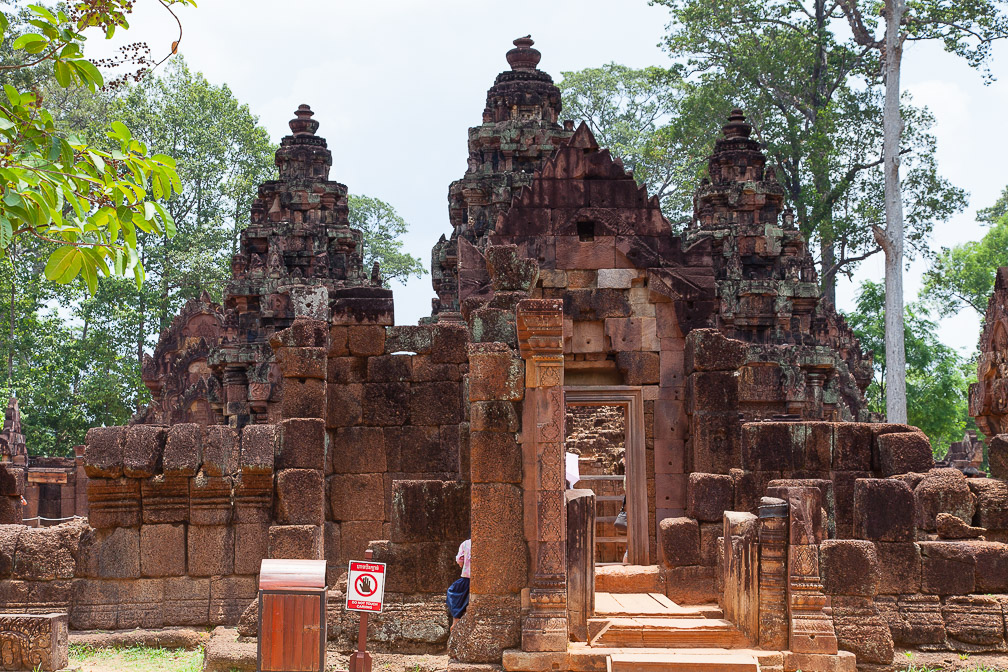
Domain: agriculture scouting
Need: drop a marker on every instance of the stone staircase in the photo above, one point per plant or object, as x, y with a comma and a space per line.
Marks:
641, 630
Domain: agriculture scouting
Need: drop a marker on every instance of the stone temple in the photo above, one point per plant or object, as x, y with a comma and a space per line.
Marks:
770, 524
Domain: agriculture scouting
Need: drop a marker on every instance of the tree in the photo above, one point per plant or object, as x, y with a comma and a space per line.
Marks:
812, 102
89, 202
963, 275
966, 29
383, 227
937, 377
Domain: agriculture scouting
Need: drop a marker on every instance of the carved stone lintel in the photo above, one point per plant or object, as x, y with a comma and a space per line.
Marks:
33, 642
545, 626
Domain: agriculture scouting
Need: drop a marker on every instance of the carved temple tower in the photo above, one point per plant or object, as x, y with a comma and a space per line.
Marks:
519, 132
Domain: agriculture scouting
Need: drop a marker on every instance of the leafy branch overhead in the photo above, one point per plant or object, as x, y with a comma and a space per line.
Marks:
91, 202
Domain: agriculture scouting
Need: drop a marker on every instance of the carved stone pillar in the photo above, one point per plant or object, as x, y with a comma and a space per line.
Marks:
540, 338
810, 620
773, 535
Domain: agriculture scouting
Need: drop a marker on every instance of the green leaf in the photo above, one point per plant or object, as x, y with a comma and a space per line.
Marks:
120, 131
26, 39
64, 264
63, 76
89, 273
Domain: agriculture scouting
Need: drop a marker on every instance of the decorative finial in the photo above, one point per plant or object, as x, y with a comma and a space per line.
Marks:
523, 56
737, 125
303, 124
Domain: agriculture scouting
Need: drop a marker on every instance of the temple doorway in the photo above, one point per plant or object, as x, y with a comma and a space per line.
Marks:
605, 430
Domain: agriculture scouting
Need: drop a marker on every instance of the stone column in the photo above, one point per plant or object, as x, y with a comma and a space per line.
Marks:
810, 619
773, 535
540, 338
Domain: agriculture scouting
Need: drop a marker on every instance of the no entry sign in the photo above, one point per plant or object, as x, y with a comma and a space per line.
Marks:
365, 586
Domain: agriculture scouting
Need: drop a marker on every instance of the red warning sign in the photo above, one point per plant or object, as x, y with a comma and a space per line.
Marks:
365, 586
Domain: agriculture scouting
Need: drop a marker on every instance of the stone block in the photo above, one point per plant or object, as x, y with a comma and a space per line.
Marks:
711, 544
302, 362
355, 450
852, 446
253, 498
211, 550
46, 554
409, 338
713, 391
899, 567
300, 497
229, 596
345, 405
221, 451
298, 542
499, 565
950, 527
843, 499
143, 450
304, 332
495, 373
9, 535
770, 446
495, 458
680, 541
715, 442
109, 553
493, 416
491, 624
419, 450
708, 496
497, 510
948, 568
331, 552
974, 619
588, 337
449, 344
302, 444
616, 278
344, 370
165, 499
884, 510
692, 584
140, 605
210, 500
436, 403
862, 630
425, 567
386, 404
849, 567
258, 449
162, 550
12, 480
826, 499
710, 350
917, 621
390, 368
943, 491
424, 510
113, 502
991, 503
11, 511
490, 325
303, 398
37, 642
508, 270
639, 368
95, 604
103, 456
185, 600
997, 456
356, 536
183, 451
991, 567
357, 497
904, 452
366, 340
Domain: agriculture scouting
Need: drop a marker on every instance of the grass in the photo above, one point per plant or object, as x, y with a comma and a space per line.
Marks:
135, 659
924, 668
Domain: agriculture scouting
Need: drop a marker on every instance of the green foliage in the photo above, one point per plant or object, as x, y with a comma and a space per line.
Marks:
92, 203
963, 275
813, 101
136, 658
937, 376
383, 228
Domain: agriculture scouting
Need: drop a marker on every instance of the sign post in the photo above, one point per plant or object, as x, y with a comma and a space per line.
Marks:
365, 593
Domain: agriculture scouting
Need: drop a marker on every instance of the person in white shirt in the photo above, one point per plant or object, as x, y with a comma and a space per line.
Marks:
458, 592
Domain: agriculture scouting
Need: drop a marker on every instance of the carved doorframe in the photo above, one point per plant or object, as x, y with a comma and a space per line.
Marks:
631, 400
539, 324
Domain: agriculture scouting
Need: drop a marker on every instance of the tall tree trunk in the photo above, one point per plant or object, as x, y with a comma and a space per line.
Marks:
10, 343
891, 239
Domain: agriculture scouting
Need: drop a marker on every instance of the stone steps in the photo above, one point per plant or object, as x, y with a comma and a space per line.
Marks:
684, 661
613, 605
665, 633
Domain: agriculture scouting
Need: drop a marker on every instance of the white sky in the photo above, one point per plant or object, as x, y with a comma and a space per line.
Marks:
395, 84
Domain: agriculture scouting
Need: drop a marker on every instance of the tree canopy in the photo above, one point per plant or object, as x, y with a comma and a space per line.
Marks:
937, 376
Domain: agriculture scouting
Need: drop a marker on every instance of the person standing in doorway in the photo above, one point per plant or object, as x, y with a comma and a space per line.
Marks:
458, 592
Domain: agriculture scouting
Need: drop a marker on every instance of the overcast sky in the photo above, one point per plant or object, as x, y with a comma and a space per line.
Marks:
395, 84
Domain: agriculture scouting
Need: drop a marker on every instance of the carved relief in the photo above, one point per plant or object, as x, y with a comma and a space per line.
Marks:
33, 642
